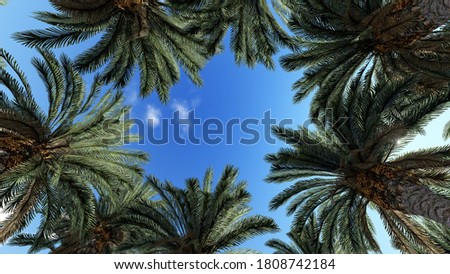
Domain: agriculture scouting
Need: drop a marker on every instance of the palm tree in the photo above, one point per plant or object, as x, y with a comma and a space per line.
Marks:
197, 220
142, 33
303, 242
108, 233
345, 40
255, 33
59, 157
343, 168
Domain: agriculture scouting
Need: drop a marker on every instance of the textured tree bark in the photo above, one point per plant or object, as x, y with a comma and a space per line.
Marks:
420, 200
13, 152
435, 11
80, 4
391, 189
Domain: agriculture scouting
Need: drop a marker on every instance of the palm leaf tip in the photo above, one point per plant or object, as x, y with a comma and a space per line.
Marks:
446, 133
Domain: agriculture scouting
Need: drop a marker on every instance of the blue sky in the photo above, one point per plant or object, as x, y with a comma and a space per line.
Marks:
229, 92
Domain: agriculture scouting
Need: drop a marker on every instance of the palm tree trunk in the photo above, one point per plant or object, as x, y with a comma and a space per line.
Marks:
420, 200
435, 11
80, 4
14, 152
391, 189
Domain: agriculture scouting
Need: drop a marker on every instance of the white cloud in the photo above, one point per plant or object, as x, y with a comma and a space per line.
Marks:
182, 108
153, 116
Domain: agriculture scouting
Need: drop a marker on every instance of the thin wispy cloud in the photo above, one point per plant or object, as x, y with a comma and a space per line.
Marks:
182, 107
153, 116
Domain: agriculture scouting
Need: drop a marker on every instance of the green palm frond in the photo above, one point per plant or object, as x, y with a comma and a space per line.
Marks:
306, 241
407, 235
198, 218
446, 134
72, 148
439, 233
256, 35
146, 35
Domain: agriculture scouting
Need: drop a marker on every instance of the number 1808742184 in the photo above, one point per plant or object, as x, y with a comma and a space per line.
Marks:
303, 264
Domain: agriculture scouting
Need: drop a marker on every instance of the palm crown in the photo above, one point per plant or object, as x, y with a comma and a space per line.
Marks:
341, 170
197, 219
135, 32
345, 40
105, 237
52, 159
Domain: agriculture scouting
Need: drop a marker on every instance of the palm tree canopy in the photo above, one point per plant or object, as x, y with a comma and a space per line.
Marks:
197, 219
255, 33
108, 233
143, 33
345, 40
342, 168
57, 157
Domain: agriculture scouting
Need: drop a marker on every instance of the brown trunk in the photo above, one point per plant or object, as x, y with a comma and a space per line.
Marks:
390, 188
139, 9
129, 4
437, 12
420, 200
397, 25
102, 237
14, 152
376, 185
